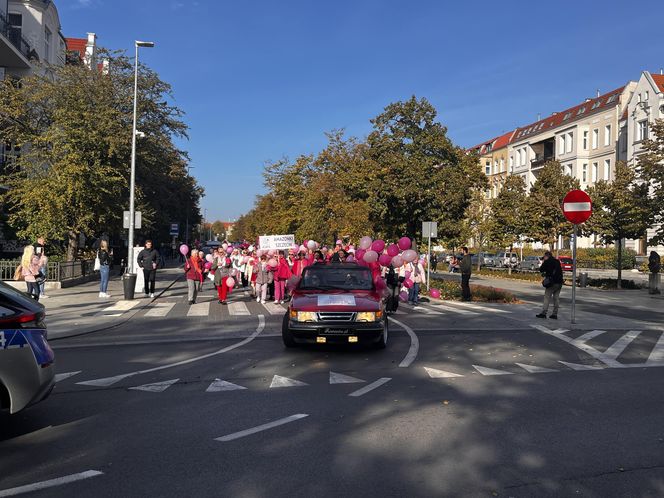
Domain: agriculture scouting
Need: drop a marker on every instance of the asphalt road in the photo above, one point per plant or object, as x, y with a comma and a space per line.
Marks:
465, 401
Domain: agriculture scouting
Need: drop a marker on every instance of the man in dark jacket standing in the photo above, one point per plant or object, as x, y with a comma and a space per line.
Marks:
466, 269
553, 283
148, 260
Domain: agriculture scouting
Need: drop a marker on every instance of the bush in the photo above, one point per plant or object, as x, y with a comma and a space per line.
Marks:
451, 291
612, 283
603, 258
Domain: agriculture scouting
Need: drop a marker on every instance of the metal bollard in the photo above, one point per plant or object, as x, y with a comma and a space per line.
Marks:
583, 279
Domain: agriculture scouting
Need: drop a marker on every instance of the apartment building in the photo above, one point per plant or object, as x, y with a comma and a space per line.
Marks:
494, 160
82, 50
30, 32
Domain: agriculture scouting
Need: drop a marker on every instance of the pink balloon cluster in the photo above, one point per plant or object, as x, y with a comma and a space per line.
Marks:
371, 251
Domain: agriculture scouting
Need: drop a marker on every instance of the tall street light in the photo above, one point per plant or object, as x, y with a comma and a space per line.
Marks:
132, 183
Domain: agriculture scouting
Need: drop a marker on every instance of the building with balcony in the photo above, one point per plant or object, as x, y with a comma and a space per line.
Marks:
30, 32
493, 157
82, 50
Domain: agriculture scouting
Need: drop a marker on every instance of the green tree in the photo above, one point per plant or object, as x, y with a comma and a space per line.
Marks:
650, 168
621, 209
478, 221
507, 224
543, 209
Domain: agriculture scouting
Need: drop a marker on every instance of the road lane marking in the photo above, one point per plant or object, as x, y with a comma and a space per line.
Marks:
274, 308
199, 309
107, 381
155, 387
427, 311
337, 378
535, 369
160, 309
238, 309
119, 308
590, 335
414, 344
59, 481
279, 381
63, 376
657, 354
260, 428
611, 362
440, 374
579, 367
221, 385
370, 387
453, 309
490, 371
621, 344
479, 308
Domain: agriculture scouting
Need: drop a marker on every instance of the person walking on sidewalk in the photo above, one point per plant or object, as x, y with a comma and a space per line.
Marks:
552, 283
466, 267
29, 270
40, 252
105, 260
192, 273
148, 260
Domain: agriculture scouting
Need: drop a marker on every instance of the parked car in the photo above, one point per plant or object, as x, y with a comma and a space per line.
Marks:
26, 360
490, 260
336, 304
530, 263
566, 262
482, 257
507, 259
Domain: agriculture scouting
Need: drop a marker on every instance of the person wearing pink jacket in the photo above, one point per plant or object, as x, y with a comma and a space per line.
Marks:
282, 273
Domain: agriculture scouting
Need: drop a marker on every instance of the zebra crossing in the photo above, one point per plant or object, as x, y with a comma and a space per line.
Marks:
242, 304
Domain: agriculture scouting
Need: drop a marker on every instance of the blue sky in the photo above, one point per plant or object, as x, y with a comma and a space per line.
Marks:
265, 79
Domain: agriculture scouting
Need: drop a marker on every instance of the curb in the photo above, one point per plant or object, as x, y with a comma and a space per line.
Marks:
130, 315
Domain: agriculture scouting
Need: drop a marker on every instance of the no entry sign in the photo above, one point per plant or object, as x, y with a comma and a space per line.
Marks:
577, 206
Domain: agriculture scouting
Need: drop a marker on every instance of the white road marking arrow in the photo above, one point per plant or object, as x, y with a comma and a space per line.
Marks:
105, 382
63, 376
440, 374
279, 381
221, 385
534, 369
577, 366
156, 387
490, 371
337, 378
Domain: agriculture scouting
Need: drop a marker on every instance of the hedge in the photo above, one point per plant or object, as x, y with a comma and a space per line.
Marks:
451, 291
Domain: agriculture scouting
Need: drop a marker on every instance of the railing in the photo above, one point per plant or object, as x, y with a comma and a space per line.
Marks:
15, 37
56, 271
540, 161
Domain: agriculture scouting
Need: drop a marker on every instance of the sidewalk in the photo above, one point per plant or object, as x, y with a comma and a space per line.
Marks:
78, 310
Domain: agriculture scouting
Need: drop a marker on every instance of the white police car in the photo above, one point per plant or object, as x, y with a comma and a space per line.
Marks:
26, 359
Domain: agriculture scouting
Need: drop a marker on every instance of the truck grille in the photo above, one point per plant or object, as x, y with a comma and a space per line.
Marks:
336, 316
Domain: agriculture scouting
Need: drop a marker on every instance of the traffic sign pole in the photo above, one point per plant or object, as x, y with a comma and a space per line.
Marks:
577, 208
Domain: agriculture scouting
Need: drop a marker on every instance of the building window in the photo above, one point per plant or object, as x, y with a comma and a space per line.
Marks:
502, 164
585, 140
607, 135
487, 168
642, 130
47, 43
584, 173
561, 142
595, 171
595, 138
511, 163
646, 96
15, 28
607, 169
570, 138
523, 157
569, 169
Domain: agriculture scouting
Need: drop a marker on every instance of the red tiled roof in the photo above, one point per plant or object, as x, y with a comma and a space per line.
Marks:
659, 81
76, 44
591, 106
503, 140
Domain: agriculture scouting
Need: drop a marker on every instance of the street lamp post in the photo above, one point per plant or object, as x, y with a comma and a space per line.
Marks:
132, 181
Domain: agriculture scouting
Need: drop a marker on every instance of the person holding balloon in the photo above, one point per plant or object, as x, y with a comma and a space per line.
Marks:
282, 274
222, 279
192, 273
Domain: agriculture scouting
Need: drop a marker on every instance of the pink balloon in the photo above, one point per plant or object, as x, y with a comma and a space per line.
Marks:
393, 250
224, 246
184, 249
312, 245
409, 256
229, 250
408, 283
207, 265
397, 261
434, 293
385, 259
350, 258
230, 282
380, 283
370, 256
295, 247
270, 252
339, 242
209, 258
406, 275
378, 246
303, 249
403, 296
272, 262
245, 260
365, 243
359, 254
404, 243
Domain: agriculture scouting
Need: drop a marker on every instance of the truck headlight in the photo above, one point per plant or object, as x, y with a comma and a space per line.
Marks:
306, 316
368, 316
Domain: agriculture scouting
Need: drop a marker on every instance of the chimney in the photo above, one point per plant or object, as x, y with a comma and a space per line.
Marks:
661, 71
587, 100
539, 116
598, 93
91, 50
